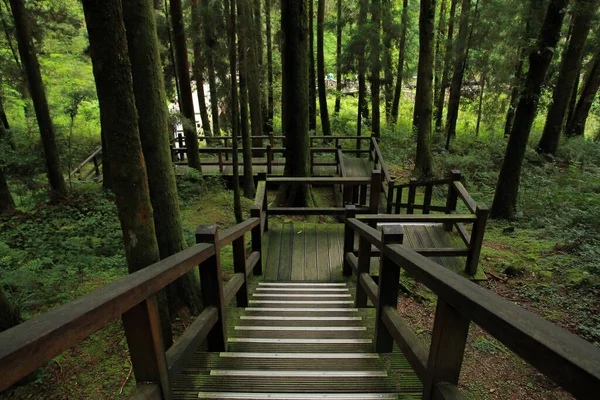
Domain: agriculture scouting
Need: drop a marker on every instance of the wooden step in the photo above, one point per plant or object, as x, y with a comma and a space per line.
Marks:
347, 346
296, 396
311, 332
290, 320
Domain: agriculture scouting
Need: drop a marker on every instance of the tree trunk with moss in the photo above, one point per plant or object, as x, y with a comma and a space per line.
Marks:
325, 127
270, 96
338, 59
119, 120
590, 87
507, 189
295, 61
375, 67
210, 49
198, 66
245, 61
38, 95
249, 29
401, 56
154, 129
185, 87
388, 82
7, 204
363, 108
424, 95
584, 11
445, 77
312, 76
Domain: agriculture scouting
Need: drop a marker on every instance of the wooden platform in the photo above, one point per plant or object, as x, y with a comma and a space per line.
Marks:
313, 252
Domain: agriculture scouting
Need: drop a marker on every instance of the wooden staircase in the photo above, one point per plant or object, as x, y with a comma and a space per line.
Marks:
299, 340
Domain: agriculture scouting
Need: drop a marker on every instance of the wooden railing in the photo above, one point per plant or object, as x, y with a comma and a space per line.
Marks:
456, 190
387, 183
96, 159
27, 346
565, 358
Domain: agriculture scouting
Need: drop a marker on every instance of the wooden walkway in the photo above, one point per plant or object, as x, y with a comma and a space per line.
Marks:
313, 252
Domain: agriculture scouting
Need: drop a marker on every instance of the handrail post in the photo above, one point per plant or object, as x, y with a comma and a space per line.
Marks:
389, 282
255, 212
180, 143
390, 198
452, 198
96, 166
375, 191
220, 155
146, 347
269, 159
212, 287
265, 205
427, 198
412, 193
350, 212
239, 266
481, 212
226, 145
312, 161
449, 338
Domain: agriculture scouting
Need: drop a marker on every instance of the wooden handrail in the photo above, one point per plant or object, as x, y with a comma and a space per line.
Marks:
228, 235
567, 359
417, 218
321, 180
381, 161
27, 346
465, 196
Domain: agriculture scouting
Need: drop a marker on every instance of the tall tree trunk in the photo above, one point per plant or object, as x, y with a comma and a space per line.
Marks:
253, 73
107, 181
507, 188
38, 95
150, 96
295, 60
401, 56
363, 109
259, 54
590, 87
269, 67
244, 66
375, 67
7, 204
439, 59
424, 95
571, 61
231, 32
534, 13
119, 120
321, 70
185, 87
198, 66
573, 97
338, 59
445, 80
9, 314
210, 50
387, 59
480, 106
458, 72
312, 76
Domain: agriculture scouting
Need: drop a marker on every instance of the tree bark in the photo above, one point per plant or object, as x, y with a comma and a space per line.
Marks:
480, 106
9, 314
573, 97
295, 60
185, 87
363, 108
571, 61
338, 59
458, 72
7, 204
249, 29
445, 81
107, 181
375, 67
119, 120
388, 90
326, 129
269, 67
38, 95
231, 32
154, 129
590, 87
312, 76
507, 189
198, 66
401, 56
244, 66
424, 95
439, 60
210, 50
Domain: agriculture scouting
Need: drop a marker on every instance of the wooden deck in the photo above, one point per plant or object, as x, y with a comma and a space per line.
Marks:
313, 252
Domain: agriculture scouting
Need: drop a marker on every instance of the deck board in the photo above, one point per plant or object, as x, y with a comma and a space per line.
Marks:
298, 252
273, 252
323, 249
285, 257
310, 252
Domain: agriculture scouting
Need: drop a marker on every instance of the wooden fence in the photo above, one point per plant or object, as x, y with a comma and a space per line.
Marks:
565, 358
